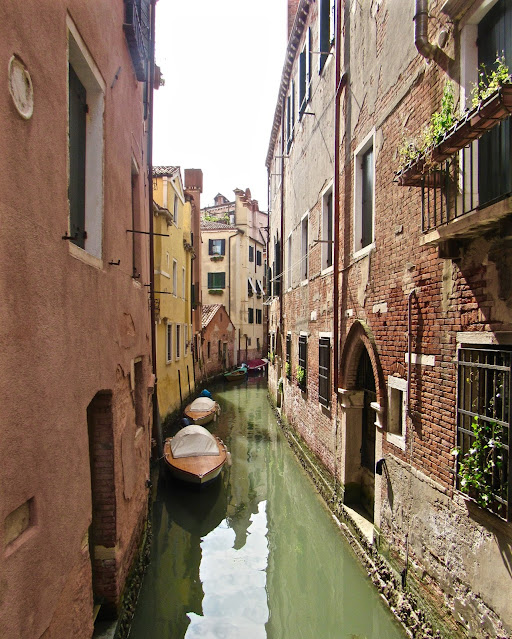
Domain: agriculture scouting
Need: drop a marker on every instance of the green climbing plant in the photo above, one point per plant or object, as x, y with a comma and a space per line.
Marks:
489, 80
287, 369
301, 375
480, 469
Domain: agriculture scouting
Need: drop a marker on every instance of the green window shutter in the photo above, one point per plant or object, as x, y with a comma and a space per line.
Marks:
77, 141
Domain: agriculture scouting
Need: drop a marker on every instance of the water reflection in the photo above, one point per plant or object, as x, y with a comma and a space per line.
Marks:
255, 554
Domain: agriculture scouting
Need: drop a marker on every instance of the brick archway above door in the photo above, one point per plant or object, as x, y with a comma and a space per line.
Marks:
361, 337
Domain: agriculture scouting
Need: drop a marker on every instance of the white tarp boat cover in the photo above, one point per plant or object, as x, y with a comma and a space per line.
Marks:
202, 404
193, 441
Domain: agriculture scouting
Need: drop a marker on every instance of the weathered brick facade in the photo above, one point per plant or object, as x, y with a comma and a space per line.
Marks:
414, 288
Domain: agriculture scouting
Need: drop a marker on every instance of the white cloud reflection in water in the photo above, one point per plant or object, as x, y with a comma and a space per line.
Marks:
234, 583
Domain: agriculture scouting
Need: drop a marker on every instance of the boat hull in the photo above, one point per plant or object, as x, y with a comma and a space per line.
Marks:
200, 417
235, 376
195, 470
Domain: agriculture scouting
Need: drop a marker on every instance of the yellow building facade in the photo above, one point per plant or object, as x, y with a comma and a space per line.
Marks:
173, 271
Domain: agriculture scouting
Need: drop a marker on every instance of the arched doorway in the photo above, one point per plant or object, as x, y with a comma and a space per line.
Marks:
361, 405
365, 382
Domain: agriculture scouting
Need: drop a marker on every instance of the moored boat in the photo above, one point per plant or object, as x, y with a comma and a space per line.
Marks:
202, 410
194, 455
236, 374
256, 365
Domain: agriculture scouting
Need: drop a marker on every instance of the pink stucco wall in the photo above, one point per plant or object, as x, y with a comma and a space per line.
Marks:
67, 329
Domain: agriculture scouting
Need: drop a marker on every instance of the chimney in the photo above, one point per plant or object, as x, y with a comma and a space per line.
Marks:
292, 12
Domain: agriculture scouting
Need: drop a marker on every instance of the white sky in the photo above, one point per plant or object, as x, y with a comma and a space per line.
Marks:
222, 63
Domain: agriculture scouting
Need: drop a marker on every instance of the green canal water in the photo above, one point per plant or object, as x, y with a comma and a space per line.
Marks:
256, 554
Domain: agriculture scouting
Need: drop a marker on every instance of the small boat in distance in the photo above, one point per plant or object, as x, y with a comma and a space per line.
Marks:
202, 410
257, 365
194, 455
236, 374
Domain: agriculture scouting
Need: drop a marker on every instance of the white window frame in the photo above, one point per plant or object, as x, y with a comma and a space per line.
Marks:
175, 210
366, 145
175, 277
397, 385
326, 247
178, 341
88, 73
304, 248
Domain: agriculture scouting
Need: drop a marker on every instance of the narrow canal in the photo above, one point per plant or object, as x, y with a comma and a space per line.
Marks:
256, 554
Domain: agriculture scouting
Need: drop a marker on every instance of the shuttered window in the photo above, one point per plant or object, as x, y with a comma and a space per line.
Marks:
303, 358
216, 247
324, 371
216, 280
77, 142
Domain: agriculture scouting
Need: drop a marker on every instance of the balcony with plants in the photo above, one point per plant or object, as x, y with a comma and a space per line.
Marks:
463, 163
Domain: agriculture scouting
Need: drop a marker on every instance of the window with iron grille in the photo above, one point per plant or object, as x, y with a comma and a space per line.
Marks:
289, 356
303, 359
324, 371
483, 427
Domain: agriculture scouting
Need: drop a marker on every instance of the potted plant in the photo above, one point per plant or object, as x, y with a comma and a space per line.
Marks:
301, 376
288, 370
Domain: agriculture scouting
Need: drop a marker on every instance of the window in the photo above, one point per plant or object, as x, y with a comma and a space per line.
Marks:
86, 92
183, 283
494, 37
304, 248
483, 427
219, 350
364, 196
175, 210
324, 371
251, 289
302, 368
258, 316
216, 247
174, 277
251, 315
326, 25
290, 116
259, 288
397, 394
208, 350
289, 356
216, 280
258, 258
185, 338
251, 253
327, 229
305, 74
168, 343
276, 281
178, 341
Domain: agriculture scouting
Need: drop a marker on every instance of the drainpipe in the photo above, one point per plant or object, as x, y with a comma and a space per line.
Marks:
409, 348
157, 427
340, 84
426, 48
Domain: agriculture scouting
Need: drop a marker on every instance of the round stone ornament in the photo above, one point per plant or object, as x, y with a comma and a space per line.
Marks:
20, 87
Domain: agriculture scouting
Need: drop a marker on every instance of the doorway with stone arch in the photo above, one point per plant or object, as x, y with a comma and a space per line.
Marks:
361, 403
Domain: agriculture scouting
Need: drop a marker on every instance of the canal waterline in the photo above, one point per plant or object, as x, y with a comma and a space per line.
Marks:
256, 554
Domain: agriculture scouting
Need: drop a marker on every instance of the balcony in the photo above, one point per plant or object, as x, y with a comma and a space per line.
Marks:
468, 174
137, 36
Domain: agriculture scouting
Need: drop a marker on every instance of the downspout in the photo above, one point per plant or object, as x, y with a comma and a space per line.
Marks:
339, 83
426, 48
409, 347
157, 427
